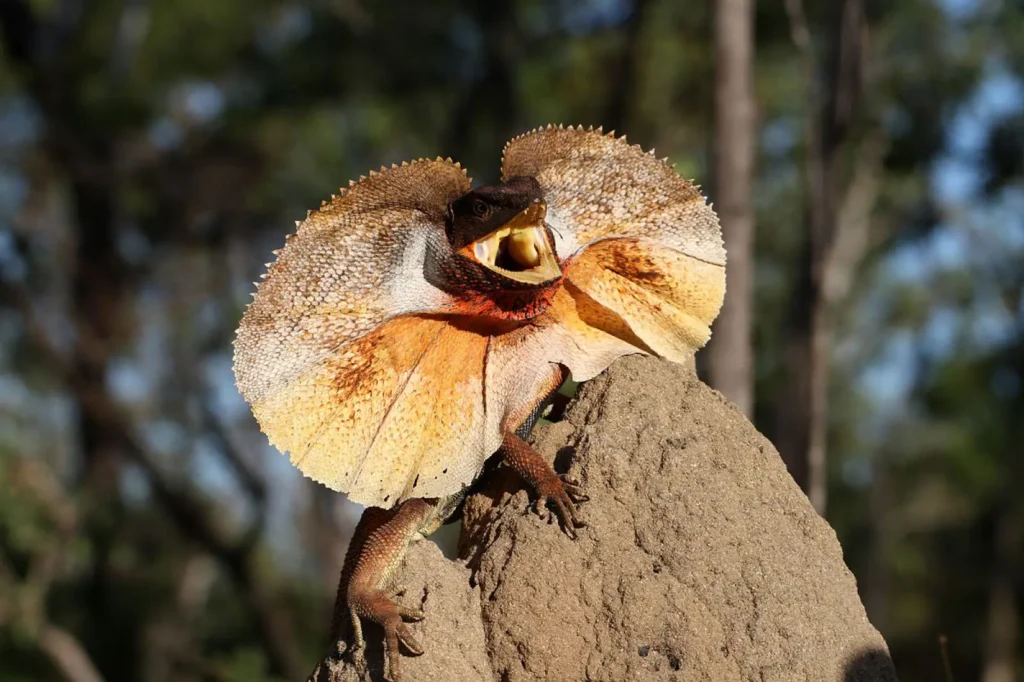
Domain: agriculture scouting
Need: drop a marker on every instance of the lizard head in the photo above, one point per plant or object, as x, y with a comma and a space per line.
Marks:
500, 230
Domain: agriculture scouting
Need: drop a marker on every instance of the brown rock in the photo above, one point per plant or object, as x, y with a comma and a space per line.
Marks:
702, 560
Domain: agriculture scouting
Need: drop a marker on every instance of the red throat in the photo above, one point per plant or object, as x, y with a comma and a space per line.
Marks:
505, 306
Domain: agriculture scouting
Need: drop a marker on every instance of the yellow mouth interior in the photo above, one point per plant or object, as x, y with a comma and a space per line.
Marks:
519, 249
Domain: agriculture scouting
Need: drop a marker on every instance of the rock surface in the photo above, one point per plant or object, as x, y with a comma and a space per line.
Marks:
702, 560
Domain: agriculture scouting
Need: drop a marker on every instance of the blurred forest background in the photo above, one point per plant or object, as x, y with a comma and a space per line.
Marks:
866, 156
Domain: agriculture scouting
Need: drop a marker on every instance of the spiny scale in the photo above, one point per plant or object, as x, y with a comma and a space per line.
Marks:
589, 130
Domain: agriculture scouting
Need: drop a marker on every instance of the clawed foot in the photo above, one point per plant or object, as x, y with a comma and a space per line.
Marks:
554, 491
395, 632
398, 638
366, 590
560, 495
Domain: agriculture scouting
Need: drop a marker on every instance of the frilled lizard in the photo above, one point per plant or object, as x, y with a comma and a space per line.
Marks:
411, 328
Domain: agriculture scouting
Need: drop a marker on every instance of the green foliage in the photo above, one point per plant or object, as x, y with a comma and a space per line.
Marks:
246, 664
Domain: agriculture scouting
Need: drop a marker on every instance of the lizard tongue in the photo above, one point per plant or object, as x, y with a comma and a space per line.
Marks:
517, 249
524, 246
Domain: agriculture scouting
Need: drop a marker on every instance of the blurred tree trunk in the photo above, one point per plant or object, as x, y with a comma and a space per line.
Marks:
1002, 631
101, 326
876, 580
833, 247
1003, 627
623, 74
731, 354
492, 96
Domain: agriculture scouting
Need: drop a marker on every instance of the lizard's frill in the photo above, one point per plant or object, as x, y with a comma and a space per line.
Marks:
423, 172
331, 379
352, 367
640, 240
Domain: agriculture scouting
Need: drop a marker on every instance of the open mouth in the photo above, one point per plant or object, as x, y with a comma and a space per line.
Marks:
519, 249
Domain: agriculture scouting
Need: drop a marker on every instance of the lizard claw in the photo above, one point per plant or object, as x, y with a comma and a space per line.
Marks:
555, 492
397, 633
573, 489
357, 654
411, 614
398, 638
559, 496
366, 590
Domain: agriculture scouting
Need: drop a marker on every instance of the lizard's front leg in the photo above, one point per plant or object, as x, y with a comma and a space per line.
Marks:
531, 465
550, 487
368, 577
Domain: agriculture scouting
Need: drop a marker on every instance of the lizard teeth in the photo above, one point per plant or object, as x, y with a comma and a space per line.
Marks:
482, 251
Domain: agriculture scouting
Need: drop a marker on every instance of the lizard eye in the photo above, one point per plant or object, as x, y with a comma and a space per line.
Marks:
481, 209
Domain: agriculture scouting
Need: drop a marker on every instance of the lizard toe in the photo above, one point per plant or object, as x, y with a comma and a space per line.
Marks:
411, 613
408, 642
573, 489
397, 634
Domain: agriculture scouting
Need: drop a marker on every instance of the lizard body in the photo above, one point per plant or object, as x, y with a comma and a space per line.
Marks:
413, 326
368, 581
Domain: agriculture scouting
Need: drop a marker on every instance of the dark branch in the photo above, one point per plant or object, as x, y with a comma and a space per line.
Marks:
624, 73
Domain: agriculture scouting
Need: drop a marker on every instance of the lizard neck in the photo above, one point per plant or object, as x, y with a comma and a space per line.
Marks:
505, 306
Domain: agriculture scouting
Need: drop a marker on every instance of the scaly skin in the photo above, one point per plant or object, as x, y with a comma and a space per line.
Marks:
368, 578
382, 538
553, 490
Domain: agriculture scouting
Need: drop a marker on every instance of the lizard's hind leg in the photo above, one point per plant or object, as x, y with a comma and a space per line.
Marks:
368, 578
